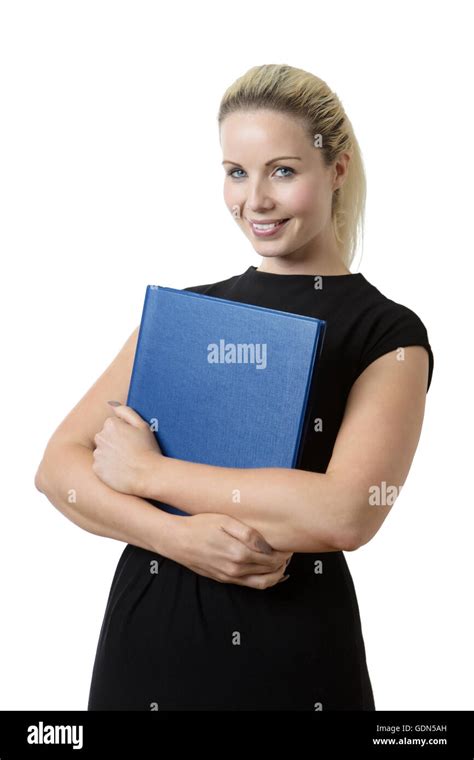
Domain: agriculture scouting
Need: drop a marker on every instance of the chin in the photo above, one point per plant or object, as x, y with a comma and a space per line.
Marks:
273, 255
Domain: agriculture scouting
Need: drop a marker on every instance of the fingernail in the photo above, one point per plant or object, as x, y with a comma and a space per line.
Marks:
285, 578
114, 403
286, 563
263, 546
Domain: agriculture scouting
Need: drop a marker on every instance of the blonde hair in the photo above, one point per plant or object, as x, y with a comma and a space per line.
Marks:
303, 95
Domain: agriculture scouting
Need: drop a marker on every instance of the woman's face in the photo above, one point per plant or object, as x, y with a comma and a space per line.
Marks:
274, 173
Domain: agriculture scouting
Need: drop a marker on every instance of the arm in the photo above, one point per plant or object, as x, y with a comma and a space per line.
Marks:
66, 477
220, 548
216, 546
294, 509
297, 510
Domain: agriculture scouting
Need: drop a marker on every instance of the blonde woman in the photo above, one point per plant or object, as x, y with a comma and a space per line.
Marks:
197, 616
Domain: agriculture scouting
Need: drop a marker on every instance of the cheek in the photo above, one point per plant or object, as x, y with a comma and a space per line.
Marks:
305, 199
232, 196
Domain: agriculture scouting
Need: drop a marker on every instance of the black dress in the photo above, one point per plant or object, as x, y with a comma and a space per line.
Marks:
176, 640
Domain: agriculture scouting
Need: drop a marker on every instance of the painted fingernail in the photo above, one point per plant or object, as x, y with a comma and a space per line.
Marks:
114, 403
263, 546
285, 578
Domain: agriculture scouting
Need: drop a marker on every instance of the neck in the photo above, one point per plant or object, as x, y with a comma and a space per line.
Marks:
321, 256
286, 265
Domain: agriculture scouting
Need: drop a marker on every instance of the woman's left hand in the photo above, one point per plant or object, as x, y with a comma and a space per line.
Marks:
124, 448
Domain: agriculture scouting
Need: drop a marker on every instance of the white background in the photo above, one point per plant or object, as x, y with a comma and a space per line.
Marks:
110, 179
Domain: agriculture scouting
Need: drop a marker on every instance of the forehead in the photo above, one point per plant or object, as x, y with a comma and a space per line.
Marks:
263, 129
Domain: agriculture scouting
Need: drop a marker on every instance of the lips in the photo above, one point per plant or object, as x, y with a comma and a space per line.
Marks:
267, 222
267, 229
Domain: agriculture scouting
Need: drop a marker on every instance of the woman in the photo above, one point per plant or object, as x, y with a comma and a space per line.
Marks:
197, 618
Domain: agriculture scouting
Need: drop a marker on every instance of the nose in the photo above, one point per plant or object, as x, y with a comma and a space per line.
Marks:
258, 198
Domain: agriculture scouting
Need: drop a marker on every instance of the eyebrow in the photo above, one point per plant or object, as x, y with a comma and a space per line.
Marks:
267, 163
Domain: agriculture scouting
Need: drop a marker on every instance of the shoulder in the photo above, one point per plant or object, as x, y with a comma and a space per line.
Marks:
385, 325
378, 305
215, 288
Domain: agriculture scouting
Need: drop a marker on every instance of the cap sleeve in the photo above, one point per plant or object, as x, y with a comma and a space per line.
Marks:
398, 327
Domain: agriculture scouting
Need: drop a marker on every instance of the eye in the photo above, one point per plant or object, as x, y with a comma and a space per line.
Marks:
286, 168
231, 172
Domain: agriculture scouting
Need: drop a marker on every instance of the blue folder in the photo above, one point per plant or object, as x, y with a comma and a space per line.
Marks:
223, 382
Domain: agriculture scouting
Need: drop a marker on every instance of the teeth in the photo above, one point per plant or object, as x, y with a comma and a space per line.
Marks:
267, 226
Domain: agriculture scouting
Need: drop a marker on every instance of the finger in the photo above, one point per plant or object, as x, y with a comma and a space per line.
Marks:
251, 568
128, 414
262, 582
248, 558
247, 535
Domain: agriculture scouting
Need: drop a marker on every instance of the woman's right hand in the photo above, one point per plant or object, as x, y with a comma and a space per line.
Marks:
227, 550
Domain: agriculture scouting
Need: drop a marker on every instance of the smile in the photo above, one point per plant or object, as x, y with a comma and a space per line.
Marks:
266, 230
